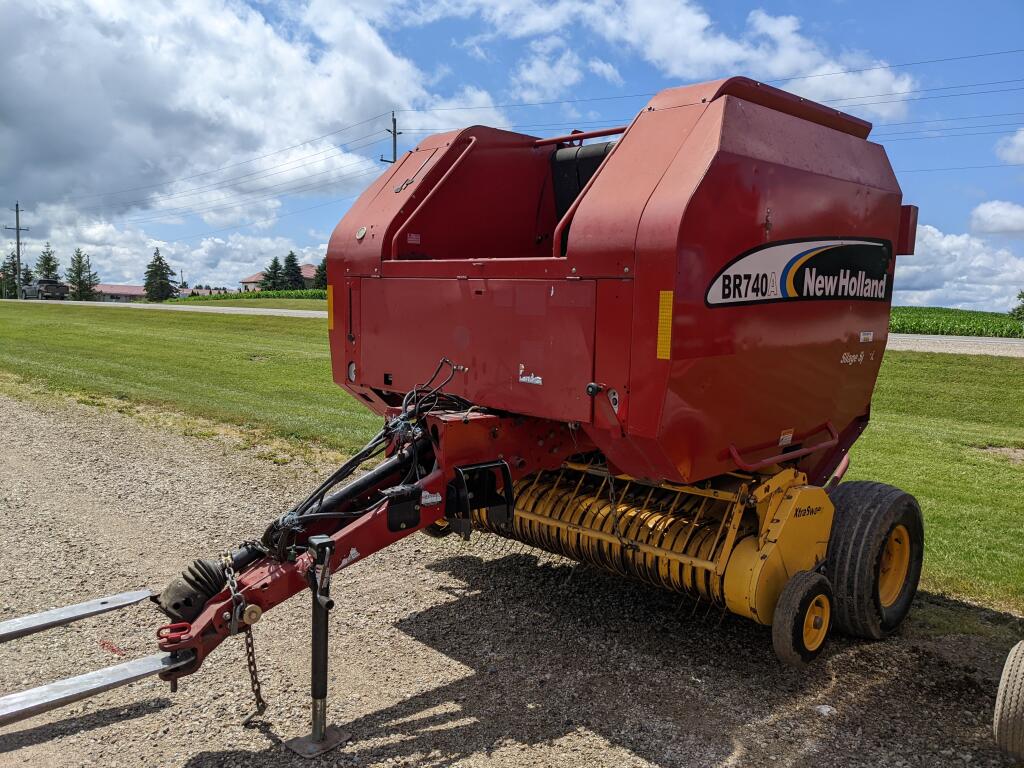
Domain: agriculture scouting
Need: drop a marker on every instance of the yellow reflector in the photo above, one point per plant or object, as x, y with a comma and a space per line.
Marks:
665, 324
330, 308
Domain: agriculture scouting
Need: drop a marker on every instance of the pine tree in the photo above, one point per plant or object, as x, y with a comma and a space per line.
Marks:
82, 281
27, 275
47, 266
93, 278
292, 273
9, 277
320, 278
158, 279
273, 276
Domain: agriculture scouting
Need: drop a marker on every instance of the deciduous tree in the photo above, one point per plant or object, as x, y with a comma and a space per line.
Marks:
1018, 311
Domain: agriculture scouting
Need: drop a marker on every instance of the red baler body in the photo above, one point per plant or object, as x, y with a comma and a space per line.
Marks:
667, 294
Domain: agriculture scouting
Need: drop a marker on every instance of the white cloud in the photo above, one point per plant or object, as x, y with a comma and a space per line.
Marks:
605, 70
998, 217
958, 270
1010, 149
680, 39
548, 72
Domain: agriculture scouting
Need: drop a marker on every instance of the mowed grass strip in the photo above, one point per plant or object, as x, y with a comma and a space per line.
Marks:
933, 415
268, 372
320, 304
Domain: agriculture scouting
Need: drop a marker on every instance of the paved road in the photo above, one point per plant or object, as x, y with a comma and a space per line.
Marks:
902, 342
195, 308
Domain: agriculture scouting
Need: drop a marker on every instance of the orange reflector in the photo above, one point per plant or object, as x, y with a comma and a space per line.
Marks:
665, 325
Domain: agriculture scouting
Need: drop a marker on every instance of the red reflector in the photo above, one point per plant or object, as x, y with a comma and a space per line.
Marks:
907, 237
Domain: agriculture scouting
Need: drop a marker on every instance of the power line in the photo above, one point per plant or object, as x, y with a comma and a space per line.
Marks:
252, 176
567, 101
923, 90
898, 66
235, 164
951, 135
250, 200
267, 220
937, 96
18, 229
948, 128
950, 119
960, 168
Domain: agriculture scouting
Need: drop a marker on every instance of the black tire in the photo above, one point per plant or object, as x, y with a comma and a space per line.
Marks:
1008, 721
789, 638
867, 513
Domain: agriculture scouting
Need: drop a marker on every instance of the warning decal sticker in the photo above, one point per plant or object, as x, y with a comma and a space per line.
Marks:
805, 270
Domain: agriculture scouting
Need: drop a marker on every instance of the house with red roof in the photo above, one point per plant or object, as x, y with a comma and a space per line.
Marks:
252, 282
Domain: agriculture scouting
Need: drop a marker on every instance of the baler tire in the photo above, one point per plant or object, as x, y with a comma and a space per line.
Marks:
804, 592
1008, 719
867, 514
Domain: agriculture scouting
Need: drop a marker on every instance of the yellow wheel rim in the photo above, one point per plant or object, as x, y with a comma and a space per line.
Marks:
892, 571
816, 622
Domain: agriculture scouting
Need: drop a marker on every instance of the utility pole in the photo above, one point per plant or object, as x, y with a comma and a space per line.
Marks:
18, 229
395, 133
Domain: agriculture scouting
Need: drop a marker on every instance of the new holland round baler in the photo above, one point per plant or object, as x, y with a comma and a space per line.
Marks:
650, 353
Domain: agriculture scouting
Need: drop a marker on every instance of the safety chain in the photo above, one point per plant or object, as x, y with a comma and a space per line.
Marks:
237, 609
237, 601
254, 677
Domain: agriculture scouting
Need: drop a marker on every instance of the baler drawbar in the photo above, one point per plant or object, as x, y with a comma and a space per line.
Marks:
649, 354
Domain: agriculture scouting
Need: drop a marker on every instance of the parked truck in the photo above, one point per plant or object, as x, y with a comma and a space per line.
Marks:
46, 288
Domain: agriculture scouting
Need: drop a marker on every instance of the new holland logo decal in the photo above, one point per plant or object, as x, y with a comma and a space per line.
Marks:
805, 270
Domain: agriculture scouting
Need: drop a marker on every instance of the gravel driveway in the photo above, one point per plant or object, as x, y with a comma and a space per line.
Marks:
441, 653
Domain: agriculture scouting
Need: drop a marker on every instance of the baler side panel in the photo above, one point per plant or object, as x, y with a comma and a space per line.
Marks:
528, 344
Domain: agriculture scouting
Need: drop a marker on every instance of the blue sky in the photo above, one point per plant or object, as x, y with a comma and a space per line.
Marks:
153, 98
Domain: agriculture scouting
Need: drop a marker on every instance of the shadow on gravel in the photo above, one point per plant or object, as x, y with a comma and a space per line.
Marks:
557, 649
67, 727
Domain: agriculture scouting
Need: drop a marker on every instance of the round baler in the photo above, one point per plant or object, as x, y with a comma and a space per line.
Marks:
698, 311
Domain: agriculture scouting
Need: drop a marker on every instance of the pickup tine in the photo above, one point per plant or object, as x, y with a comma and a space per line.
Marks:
37, 622
24, 704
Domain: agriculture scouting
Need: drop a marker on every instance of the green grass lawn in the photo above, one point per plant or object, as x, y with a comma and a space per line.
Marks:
269, 372
932, 415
